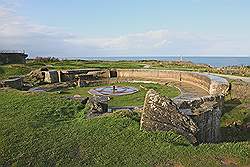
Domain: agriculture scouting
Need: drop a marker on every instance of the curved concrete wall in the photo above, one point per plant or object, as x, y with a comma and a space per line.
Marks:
212, 84
204, 111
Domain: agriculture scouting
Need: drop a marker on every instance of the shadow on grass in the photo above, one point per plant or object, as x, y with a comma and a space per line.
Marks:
1, 70
235, 132
230, 105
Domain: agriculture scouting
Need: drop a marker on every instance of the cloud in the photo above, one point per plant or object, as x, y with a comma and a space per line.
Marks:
16, 32
164, 42
126, 43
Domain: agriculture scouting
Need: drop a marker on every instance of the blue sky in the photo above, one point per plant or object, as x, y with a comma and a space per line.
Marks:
126, 27
116, 17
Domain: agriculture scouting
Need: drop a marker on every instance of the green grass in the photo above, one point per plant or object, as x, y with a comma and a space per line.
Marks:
7, 71
13, 70
47, 130
76, 64
235, 111
136, 99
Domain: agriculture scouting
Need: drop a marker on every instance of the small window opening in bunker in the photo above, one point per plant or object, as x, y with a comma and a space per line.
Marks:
113, 74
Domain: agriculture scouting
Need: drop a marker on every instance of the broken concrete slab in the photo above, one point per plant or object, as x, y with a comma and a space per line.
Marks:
16, 83
51, 77
160, 113
197, 119
98, 106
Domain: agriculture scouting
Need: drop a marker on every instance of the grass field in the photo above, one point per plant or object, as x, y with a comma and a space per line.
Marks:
13, 70
136, 99
46, 130
235, 111
7, 71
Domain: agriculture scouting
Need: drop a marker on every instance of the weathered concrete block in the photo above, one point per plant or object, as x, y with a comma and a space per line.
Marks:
36, 77
240, 89
98, 106
161, 113
100, 74
69, 75
13, 58
216, 87
207, 118
212, 84
16, 83
197, 119
51, 77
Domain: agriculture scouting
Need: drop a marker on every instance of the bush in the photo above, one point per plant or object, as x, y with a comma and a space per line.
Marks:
45, 59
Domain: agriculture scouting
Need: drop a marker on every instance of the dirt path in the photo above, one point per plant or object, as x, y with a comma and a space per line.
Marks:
189, 91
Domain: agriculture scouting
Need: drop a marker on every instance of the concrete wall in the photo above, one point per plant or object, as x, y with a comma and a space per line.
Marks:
213, 85
16, 83
208, 123
69, 75
196, 79
51, 77
148, 74
13, 58
204, 111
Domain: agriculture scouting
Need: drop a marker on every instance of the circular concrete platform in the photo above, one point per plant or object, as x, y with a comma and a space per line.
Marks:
112, 91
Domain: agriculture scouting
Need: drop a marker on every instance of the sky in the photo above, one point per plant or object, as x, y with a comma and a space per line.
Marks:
84, 28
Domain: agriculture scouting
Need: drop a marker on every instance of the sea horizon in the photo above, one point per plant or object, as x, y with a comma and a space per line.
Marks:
215, 61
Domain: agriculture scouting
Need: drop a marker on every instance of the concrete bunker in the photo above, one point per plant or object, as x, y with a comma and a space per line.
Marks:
204, 111
199, 116
13, 57
113, 73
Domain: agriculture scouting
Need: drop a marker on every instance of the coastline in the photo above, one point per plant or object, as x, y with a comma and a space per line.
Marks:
215, 61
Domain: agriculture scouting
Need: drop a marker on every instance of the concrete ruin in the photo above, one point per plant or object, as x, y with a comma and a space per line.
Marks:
98, 106
161, 114
82, 77
200, 110
15, 83
196, 119
211, 84
51, 76
195, 113
13, 57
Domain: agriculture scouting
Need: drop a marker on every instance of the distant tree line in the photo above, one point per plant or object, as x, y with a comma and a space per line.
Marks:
45, 59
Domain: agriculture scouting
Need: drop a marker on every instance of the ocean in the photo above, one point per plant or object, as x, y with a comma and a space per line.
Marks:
212, 61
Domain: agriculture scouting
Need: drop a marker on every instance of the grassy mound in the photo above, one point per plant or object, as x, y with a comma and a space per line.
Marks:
47, 130
7, 71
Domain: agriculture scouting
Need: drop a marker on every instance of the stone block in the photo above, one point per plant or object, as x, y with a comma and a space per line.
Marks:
98, 106
161, 114
51, 77
16, 83
197, 119
100, 74
207, 118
